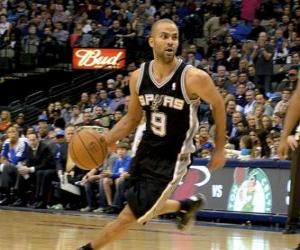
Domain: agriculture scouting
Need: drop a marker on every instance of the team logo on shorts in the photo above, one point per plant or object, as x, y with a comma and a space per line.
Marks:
250, 192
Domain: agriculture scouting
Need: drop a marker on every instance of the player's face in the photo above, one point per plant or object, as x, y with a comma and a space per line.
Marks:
164, 42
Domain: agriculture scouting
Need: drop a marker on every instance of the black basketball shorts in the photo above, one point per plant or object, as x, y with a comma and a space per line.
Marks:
153, 178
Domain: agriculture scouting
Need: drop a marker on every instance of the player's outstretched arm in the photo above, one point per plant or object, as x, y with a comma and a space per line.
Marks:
200, 85
131, 120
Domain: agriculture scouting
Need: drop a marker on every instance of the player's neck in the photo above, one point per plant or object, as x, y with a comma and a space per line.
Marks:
162, 70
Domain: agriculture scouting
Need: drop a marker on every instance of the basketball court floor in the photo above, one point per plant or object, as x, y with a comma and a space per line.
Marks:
30, 230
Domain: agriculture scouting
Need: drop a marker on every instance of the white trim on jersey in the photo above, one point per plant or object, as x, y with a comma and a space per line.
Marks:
140, 78
179, 172
182, 82
188, 145
183, 86
167, 79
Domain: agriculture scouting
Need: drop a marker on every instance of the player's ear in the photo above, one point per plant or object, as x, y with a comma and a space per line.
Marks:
150, 41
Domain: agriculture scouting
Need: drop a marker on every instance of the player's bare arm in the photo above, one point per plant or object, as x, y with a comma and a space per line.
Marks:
131, 120
291, 119
200, 85
293, 115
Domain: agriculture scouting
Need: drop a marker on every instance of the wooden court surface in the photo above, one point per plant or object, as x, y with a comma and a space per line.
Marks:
21, 230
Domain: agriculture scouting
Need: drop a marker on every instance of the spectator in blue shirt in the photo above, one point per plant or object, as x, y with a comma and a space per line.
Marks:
117, 176
14, 152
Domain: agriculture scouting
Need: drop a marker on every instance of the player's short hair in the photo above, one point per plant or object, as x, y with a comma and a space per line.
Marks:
164, 20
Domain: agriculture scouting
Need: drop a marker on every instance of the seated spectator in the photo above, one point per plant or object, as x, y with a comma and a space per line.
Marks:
243, 79
5, 26
116, 117
274, 146
250, 102
5, 121
48, 48
240, 95
117, 101
58, 121
104, 101
118, 174
221, 77
295, 48
98, 88
282, 105
76, 116
233, 59
256, 143
252, 121
43, 129
277, 119
260, 99
192, 59
257, 28
14, 152
79, 38
40, 158
30, 43
66, 173
87, 119
20, 121
202, 140
66, 112
216, 26
45, 178
246, 149
243, 65
220, 60
61, 35
236, 118
84, 103
232, 83
295, 60
251, 73
94, 179
241, 130
242, 31
101, 118
110, 37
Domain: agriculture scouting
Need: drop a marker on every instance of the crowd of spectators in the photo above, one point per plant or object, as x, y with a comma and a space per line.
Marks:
253, 58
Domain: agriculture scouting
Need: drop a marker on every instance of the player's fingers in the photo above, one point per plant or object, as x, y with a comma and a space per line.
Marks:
296, 144
292, 144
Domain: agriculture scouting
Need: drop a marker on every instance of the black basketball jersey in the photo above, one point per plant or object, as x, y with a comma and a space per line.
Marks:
171, 117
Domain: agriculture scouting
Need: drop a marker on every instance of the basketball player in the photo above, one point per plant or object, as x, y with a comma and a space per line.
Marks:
168, 91
290, 139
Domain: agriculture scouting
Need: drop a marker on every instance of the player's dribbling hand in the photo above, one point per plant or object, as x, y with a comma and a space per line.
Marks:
217, 160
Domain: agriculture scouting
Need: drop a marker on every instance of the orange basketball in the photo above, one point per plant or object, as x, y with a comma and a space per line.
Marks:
87, 149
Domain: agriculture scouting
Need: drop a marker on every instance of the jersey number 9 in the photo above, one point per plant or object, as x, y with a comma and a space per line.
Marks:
159, 123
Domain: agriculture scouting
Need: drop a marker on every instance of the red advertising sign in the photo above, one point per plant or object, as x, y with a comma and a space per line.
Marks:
87, 58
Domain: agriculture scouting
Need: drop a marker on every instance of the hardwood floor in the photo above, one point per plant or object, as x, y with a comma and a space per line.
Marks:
24, 230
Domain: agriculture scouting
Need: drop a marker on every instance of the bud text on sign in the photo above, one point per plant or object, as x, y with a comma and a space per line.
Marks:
98, 58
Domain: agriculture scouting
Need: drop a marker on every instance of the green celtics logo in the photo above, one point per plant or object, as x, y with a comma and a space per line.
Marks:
250, 192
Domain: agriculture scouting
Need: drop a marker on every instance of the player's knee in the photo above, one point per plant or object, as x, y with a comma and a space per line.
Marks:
126, 216
126, 219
